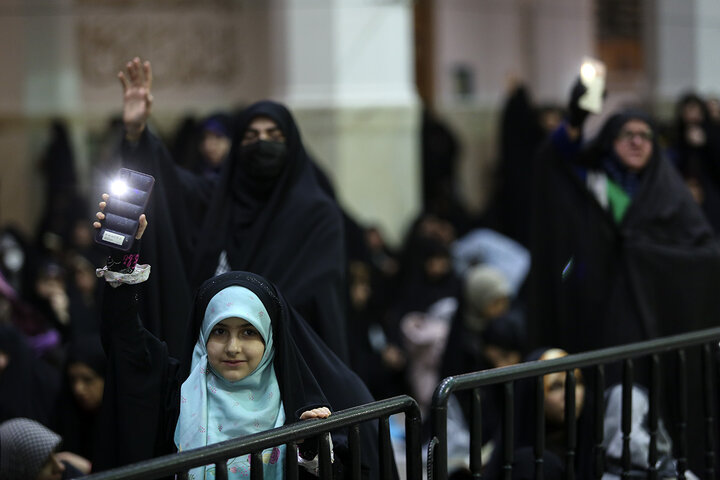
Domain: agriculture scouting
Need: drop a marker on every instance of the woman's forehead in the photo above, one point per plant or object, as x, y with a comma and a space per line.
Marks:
235, 322
636, 123
262, 122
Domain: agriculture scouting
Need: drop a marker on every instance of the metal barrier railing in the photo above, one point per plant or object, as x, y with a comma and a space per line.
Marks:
289, 435
437, 449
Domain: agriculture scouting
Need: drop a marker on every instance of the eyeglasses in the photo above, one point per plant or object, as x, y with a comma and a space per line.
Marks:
628, 135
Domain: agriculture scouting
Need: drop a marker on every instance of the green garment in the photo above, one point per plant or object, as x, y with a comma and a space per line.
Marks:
618, 200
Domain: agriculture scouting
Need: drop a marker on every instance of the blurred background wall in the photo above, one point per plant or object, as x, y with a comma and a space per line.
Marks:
356, 73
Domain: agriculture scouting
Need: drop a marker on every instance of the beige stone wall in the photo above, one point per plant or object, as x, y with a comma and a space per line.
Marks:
63, 63
372, 159
206, 55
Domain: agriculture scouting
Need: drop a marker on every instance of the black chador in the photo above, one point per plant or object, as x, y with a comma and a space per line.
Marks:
607, 275
143, 383
266, 214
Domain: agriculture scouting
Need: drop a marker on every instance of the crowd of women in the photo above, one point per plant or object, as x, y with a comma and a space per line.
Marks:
267, 304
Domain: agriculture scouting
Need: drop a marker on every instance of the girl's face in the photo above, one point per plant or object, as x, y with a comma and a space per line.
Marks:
234, 348
554, 384
87, 386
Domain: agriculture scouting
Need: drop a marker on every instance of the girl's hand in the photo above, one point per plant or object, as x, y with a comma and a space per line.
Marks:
322, 412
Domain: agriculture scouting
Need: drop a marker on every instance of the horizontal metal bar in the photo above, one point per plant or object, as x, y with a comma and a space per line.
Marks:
170, 464
578, 360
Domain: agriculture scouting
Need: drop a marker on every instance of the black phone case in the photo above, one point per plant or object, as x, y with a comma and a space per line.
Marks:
120, 225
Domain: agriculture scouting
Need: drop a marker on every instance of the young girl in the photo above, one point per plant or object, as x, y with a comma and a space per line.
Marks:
251, 364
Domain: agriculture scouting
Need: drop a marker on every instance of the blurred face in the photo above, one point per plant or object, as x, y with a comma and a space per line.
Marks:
437, 267
52, 469
82, 234
262, 128
214, 148
48, 286
85, 279
713, 106
499, 357
436, 228
692, 113
554, 385
87, 386
4, 361
235, 348
497, 307
633, 144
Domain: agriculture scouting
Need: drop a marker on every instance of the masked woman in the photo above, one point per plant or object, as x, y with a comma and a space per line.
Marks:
267, 212
250, 364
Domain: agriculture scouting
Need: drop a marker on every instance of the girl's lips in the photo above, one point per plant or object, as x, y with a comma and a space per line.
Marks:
233, 362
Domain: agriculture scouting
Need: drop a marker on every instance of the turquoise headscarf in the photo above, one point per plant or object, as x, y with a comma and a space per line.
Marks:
213, 409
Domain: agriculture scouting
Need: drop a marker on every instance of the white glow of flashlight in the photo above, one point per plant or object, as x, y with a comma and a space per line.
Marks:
587, 71
118, 187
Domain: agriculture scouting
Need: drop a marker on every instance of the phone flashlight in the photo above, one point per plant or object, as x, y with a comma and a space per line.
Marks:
118, 187
587, 72
592, 75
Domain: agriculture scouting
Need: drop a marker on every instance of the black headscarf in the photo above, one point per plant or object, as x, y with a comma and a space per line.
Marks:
597, 283
76, 426
699, 162
28, 386
308, 374
521, 134
285, 228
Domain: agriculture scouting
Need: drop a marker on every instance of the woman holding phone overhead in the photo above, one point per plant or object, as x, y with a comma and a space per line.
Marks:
266, 213
250, 363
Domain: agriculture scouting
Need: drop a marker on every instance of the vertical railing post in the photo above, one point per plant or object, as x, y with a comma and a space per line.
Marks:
354, 445
291, 461
508, 430
709, 406
325, 463
475, 434
439, 454
539, 449
413, 444
570, 425
654, 416
626, 419
221, 472
385, 447
599, 421
256, 466
682, 443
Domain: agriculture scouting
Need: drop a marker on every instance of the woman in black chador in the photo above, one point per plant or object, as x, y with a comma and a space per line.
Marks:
266, 213
81, 395
250, 363
621, 252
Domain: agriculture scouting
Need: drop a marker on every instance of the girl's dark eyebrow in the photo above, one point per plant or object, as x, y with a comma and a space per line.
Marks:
244, 324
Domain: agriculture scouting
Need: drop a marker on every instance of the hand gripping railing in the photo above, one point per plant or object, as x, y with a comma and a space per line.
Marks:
289, 435
437, 449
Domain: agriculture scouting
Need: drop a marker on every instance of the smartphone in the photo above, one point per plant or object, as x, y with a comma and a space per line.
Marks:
592, 75
129, 195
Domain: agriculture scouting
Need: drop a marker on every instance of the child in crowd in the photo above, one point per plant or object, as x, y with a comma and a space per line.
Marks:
251, 364
28, 452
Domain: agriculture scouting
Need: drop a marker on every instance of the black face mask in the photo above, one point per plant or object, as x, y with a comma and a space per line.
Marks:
263, 160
